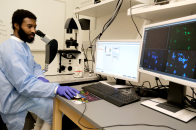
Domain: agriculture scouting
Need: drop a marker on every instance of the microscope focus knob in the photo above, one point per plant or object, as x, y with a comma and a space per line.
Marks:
69, 68
62, 67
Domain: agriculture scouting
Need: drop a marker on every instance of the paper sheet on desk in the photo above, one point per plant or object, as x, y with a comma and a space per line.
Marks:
86, 97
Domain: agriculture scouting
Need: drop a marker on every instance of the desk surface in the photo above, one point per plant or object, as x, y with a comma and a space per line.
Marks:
102, 113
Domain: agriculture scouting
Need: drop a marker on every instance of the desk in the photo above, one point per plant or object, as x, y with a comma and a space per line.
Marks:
102, 113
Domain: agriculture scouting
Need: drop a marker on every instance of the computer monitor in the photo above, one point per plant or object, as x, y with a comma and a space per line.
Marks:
168, 51
118, 58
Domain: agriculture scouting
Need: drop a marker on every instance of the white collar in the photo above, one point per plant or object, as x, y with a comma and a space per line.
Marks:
17, 39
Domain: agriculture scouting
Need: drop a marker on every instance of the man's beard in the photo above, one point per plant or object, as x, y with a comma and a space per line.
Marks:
24, 36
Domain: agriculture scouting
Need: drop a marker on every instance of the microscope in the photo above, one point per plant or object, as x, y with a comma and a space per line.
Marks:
72, 58
51, 48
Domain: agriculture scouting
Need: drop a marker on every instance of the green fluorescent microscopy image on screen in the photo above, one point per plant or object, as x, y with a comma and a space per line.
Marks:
183, 37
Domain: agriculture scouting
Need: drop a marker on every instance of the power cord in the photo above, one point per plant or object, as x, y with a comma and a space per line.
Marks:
163, 126
91, 47
85, 60
100, 76
146, 82
163, 85
150, 91
145, 88
107, 24
190, 103
134, 21
193, 92
78, 14
159, 88
131, 84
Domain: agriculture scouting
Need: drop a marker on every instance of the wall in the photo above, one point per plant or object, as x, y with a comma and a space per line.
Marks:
39, 57
44, 19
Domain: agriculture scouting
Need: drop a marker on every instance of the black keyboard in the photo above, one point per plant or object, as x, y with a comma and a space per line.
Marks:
115, 96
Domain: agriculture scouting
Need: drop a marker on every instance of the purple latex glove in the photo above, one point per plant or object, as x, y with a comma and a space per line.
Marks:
67, 91
43, 79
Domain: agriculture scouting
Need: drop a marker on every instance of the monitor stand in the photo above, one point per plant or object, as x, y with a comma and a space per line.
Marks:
174, 105
118, 84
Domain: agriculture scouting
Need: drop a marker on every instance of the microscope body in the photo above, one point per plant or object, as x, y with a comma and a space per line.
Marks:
71, 58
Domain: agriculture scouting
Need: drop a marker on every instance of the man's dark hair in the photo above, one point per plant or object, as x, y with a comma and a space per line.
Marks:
19, 15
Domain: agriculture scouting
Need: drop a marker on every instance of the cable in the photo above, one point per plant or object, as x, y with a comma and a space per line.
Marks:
100, 77
86, 66
146, 82
91, 47
193, 92
190, 110
163, 126
163, 86
192, 102
78, 14
97, 76
107, 24
159, 88
133, 20
131, 84
185, 101
147, 89
90, 38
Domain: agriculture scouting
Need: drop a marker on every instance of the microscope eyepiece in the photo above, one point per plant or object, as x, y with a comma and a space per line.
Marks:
39, 33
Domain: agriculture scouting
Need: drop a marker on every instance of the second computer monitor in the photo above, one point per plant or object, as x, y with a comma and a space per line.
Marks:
169, 50
118, 58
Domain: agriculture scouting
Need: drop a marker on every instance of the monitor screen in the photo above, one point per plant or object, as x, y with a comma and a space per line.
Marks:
169, 50
118, 59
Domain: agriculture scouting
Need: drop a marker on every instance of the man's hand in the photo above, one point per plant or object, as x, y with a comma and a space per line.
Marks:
67, 91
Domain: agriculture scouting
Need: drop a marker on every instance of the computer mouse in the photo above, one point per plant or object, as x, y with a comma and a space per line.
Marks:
77, 96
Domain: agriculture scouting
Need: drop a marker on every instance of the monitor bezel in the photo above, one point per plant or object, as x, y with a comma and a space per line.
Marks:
157, 74
119, 77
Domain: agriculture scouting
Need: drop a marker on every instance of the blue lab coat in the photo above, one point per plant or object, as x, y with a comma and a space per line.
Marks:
20, 90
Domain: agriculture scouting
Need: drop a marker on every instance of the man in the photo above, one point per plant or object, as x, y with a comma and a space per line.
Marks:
23, 87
